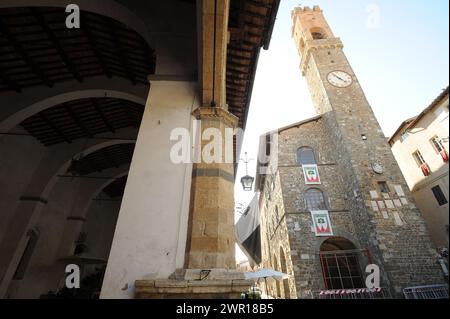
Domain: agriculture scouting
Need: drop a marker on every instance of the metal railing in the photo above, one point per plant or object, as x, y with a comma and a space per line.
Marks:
426, 292
358, 293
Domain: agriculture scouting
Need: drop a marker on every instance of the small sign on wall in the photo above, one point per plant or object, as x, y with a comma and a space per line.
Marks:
311, 174
322, 223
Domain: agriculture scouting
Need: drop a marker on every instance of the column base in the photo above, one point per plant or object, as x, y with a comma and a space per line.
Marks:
195, 284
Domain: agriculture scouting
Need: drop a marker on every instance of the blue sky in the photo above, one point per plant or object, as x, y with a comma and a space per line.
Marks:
401, 62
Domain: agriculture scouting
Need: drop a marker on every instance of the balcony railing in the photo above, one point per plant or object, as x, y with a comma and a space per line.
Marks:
426, 292
358, 293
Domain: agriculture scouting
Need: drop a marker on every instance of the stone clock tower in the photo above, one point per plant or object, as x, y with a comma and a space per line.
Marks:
382, 209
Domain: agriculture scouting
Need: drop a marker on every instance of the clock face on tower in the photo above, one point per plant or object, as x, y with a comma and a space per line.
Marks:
377, 168
340, 79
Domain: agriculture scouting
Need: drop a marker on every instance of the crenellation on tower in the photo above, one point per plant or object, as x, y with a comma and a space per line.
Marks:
308, 9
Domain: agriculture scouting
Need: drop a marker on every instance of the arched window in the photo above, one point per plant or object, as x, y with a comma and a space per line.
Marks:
315, 200
340, 265
305, 156
317, 34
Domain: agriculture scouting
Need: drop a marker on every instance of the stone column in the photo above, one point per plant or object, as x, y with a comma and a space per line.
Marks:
211, 225
210, 266
150, 237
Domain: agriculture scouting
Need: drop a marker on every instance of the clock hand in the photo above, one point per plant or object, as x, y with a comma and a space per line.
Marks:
339, 77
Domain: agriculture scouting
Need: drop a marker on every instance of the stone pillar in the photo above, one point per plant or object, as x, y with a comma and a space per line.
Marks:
210, 266
211, 225
150, 237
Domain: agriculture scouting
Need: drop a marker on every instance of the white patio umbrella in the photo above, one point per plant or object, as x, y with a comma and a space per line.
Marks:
265, 273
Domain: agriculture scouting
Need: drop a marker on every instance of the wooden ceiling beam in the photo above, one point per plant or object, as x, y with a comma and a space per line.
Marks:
95, 48
232, 54
253, 14
234, 47
258, 4
127, 114
53, 127
102, 115
234, 61
78, 121
19, 49
121, 53
236, 70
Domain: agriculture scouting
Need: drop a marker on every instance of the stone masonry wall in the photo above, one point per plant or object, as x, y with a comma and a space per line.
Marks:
274, 237
292, 229
305, 246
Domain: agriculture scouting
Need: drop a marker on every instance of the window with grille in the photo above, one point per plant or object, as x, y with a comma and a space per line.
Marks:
437, 144
315, 200
439, 195
341, 270
419, 158
305, 156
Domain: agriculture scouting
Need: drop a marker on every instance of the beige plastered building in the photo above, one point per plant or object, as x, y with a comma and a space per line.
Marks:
420, 146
